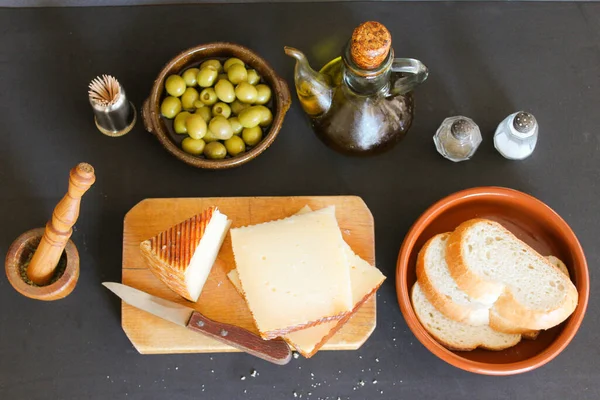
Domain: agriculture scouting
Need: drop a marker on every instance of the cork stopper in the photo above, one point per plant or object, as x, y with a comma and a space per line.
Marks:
370, 45
524, 122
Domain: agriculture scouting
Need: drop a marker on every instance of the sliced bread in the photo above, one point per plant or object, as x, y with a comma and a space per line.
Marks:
441, 290
491, 265
500, 324
294, 272
456, 335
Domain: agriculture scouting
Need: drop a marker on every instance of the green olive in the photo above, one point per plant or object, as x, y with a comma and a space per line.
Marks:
225, 91
246, 93
175, 85
263, 94
170, 107
215, 151
230, 62
237, 107
220, 127
190, 76
235, 125
221, 109
207, 77
214, 64
208, 96
252, 136
210, 137
222, 76
193, 146
188, 98
251, 117
253, 77
266, 116
198, 104
205, 113
196, 126
179, 123
237, 73
235, 145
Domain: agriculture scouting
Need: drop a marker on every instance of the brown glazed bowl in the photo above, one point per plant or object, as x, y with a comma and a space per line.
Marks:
154, 123
531, 221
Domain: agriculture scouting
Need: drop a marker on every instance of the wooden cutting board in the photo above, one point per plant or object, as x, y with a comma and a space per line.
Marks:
219, 299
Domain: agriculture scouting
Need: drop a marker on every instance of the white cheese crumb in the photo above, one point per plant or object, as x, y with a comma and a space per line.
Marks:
242, 378
296, 355
381, 392
176, 368
212, 371
377, 360
374, 381
295, 394
245, 390
254, 373
361, 382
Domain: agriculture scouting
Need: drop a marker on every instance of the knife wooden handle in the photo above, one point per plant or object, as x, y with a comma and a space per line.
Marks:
276, 351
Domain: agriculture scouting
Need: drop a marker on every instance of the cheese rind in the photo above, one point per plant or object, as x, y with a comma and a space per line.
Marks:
183, 255
294, 272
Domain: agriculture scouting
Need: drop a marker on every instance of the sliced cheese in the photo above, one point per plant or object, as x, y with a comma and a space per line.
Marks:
294, 271
183, 255
365, 279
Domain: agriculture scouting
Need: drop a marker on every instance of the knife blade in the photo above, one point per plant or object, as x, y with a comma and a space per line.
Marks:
275, 351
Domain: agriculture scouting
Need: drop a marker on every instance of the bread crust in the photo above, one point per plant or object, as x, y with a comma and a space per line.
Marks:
443, 304
506, 306
452, 346
469, 282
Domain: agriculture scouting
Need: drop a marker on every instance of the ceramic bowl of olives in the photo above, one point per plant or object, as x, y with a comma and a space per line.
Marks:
216, 106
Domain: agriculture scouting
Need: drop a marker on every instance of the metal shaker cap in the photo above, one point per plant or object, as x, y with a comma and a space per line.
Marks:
524, 122
462, 128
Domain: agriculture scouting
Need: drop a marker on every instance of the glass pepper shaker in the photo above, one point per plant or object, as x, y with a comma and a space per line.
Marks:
516, 136
457, 138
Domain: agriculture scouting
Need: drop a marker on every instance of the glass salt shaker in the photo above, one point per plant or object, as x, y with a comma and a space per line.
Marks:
457, 138
516, 136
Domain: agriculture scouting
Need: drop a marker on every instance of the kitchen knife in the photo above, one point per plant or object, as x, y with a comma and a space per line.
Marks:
275, 351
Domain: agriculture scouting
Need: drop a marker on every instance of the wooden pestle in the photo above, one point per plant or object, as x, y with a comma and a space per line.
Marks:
60, 227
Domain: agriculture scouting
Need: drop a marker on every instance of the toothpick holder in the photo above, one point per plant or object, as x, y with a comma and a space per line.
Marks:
43, 263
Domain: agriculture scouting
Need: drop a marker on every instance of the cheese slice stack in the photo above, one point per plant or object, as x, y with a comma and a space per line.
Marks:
183, 255
365, 279
294, 272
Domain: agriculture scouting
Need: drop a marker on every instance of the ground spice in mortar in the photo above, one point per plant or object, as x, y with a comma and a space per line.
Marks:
58, 272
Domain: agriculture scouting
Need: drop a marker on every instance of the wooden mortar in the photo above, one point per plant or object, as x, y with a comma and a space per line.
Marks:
41, 250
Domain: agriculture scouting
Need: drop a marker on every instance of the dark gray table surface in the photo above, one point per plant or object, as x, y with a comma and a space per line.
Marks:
486, 60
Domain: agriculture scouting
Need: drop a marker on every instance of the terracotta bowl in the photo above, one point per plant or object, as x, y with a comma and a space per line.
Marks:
531, 221
155, 124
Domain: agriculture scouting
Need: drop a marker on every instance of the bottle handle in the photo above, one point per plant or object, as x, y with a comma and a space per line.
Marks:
415, 73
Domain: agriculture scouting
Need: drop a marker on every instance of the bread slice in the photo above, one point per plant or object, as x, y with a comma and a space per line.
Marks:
456, 335
491, 265
365, 280
183, 255
500, 324
441, 290
294, 272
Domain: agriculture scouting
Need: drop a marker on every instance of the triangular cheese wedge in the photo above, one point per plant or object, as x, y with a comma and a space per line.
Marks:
183, 255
